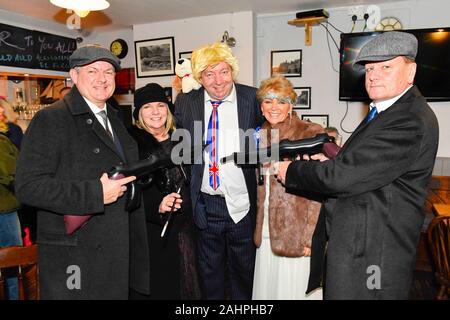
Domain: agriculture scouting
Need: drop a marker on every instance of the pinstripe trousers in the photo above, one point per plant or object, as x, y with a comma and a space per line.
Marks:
226, 252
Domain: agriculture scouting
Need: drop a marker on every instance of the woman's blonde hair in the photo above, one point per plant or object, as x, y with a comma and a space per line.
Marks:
212, 54
10, 115
170, 122
277, 84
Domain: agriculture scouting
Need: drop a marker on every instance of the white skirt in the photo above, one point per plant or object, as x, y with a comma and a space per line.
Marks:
281, 278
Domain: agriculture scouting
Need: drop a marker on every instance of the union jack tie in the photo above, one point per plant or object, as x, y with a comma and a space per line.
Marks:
212, 138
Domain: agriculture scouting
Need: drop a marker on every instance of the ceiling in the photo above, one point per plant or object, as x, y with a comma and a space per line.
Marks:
125, 13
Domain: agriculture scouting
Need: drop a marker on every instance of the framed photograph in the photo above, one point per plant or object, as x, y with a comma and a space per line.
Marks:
303, 98
321, 119
155, 57
185, 54
287, 63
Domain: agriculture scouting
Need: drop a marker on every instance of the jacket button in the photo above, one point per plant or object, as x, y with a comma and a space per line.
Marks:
96, 150
89, 121
98, 246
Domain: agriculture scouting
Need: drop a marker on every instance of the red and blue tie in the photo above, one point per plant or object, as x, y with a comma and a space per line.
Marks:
212, 138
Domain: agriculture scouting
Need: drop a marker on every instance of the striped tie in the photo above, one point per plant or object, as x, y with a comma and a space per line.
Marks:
212, 139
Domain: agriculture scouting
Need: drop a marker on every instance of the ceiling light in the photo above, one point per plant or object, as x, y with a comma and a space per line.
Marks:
81, 7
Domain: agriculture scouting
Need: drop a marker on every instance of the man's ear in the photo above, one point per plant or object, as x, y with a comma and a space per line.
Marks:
73, 75
412, 72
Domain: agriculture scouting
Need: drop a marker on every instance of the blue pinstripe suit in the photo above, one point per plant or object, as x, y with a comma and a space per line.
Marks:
222, 244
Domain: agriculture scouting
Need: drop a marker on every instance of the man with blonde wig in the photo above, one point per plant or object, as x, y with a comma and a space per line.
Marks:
223, 195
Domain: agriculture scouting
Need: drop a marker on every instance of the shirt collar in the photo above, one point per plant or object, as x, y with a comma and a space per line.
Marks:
383, 105
230, 98
94, 107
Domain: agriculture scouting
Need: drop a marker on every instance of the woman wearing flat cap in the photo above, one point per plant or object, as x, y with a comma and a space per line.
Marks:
171, 254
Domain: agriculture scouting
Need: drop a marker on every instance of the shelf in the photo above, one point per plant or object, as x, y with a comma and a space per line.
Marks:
308, 23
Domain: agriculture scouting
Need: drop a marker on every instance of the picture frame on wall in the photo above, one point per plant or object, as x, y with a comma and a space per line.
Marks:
155, 57
287, 63
185, 55
321, 119
303, 98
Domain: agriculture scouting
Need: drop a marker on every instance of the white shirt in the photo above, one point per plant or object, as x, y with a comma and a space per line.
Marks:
383, 105
96, 110
232, 182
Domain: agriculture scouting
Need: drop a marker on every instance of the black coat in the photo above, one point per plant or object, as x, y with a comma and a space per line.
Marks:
64, 153
377, 186
173, 272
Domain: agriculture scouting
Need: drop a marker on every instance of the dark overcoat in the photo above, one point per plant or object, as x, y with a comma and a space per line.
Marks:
377, 187
64, 153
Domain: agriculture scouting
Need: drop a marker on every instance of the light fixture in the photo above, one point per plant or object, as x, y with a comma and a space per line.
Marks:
230, 41
81, 7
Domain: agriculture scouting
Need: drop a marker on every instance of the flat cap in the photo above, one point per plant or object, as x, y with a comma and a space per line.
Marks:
387, 46
91, 53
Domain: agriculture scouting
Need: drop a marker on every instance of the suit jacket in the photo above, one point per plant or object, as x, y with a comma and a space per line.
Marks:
64, 153
190, 109
377, 187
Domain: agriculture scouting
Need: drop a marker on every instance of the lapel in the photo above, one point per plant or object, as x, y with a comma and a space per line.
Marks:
198, 110
413, 92
78, 107
242, 109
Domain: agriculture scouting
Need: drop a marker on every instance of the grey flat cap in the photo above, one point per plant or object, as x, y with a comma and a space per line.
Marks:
91, 53
386, 46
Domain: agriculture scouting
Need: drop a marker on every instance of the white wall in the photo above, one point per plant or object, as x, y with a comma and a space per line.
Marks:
196, 32
106, 38
273, 33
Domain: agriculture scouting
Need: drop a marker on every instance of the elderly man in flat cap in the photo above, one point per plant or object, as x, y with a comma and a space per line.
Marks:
65, 153
376, 186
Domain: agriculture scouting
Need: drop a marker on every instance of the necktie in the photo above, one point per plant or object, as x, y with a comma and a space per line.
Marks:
372, 114
105, 121
212, 138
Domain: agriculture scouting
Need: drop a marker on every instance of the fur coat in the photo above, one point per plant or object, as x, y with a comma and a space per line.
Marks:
292, 218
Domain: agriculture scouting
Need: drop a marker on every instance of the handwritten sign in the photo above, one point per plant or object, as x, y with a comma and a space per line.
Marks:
32, 49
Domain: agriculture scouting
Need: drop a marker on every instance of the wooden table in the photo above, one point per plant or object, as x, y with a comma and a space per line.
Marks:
441, 209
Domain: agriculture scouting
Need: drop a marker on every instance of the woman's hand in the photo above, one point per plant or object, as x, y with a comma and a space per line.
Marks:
167, 202
306, 251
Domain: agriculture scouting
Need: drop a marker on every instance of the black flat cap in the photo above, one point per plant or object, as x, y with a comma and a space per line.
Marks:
91, 53
387, 46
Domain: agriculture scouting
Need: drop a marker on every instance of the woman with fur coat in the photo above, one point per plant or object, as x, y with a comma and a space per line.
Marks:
285, 222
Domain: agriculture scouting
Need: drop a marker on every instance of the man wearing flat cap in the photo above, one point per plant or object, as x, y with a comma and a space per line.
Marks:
66, 152
376, 186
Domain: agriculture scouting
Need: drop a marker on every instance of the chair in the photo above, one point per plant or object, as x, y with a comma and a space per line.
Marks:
25, 260
439, 242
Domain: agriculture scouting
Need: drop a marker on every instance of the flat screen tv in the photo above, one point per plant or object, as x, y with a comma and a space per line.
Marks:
433, 64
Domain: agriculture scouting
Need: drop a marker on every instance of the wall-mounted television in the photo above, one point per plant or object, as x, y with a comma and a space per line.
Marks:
433, 64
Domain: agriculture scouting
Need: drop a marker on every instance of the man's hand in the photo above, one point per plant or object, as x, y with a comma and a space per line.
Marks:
280, 169
318, 156
167, 202
114, 189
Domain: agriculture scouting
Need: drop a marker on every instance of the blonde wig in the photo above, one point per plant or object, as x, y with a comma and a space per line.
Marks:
213, 54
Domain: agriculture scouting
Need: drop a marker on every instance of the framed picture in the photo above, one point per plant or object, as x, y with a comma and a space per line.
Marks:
155, 57
321, 119
185, 54
287, 63
303, 98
